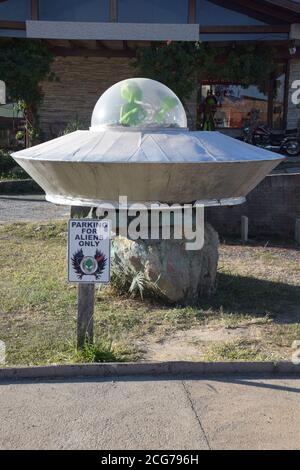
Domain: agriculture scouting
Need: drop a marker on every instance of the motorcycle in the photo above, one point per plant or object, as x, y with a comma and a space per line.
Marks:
287, 142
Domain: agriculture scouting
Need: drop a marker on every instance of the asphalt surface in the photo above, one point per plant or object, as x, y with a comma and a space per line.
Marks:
30, 209
149, 413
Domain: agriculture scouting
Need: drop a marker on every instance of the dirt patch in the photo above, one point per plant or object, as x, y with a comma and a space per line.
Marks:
191, 345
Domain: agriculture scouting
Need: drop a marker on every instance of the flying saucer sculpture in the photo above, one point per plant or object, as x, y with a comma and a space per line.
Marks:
139, 146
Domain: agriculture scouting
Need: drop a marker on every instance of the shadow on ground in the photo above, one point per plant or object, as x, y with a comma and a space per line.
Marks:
263, 242
257, 297
250, 380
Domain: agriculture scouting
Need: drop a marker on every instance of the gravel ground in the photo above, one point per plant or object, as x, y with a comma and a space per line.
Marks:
30, 209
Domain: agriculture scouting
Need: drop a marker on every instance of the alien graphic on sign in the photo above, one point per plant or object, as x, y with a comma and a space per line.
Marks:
88, 265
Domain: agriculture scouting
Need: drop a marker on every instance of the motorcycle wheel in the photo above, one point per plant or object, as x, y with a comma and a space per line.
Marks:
292, 148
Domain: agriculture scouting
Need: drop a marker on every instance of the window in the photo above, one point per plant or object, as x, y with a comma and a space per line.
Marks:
152, 11
74, 10
208, 13
234, 103
15, 10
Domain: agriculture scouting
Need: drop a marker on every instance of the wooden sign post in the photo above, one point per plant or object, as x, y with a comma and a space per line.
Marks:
244, 228
85, 314
88, 264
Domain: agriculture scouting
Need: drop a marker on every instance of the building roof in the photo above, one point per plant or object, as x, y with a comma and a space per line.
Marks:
270, 11
292, 5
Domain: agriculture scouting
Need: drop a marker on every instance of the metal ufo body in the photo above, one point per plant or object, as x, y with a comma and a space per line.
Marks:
139, 146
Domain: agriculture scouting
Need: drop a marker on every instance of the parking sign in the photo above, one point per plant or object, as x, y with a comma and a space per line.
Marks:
89, 250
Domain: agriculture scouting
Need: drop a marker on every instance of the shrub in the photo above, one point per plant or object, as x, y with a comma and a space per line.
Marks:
8, 166
7, 163
73, 126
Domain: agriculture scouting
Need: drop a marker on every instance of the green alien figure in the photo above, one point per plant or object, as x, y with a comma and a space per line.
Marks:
168, 103
132, 113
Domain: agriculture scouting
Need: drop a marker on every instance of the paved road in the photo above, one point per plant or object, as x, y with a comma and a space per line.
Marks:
150, 413
30, 209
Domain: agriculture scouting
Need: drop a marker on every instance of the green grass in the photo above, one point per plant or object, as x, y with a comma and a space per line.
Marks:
258, 288
238, 320
105, 352
235, 351
38, 305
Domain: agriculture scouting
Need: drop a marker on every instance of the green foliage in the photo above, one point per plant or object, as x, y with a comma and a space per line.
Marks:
138, 285
9, 169
134, 283
104, 351
182, 65
235, 351
250, 65
20, 135
24, 63
7, 163
172, 64
73, 126
32, 130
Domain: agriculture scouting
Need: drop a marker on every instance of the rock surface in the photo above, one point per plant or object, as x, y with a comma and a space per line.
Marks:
165, 268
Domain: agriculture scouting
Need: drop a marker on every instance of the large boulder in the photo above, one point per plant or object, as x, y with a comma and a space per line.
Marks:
164, 268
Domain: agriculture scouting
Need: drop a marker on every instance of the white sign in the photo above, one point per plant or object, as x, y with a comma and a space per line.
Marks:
89, 250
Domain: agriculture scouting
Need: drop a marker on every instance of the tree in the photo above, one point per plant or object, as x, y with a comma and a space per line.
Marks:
182, 65
24, 64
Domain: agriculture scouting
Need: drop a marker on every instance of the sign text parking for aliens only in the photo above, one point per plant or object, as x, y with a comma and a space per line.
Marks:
89, 250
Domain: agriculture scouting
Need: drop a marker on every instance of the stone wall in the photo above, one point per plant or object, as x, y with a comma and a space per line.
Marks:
81, 81
272, 208
293, 113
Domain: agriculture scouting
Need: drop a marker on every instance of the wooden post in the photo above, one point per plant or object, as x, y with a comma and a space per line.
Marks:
297, 231
192, 11
86, 297
85, 312
34, 9
113, 11
244, 228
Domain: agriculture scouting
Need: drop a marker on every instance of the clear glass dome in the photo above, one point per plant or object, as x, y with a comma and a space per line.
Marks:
138, 102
